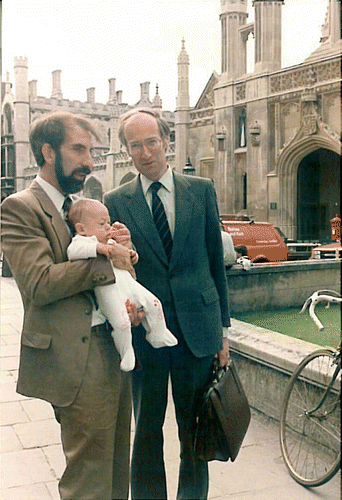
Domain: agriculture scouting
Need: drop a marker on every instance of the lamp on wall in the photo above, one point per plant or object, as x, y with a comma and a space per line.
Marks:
188, 169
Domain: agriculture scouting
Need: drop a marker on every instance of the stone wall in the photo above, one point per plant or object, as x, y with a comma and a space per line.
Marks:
275, 286
265, 361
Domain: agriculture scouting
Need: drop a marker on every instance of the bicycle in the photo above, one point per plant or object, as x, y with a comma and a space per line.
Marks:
310, 419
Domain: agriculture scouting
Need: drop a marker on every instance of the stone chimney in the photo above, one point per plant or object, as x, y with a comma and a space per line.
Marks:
112, 93
56, 84
145, 91
91, 95
119, 96
8, 85
33, 89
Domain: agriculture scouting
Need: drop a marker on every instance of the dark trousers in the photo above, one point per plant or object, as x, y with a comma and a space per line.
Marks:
150, 387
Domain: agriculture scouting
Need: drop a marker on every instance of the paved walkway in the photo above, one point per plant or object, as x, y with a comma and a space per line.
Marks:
32, 459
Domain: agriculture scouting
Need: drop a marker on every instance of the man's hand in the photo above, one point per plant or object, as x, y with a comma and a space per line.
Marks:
121, 234
103, 249
135, 315
223, 356
121, 258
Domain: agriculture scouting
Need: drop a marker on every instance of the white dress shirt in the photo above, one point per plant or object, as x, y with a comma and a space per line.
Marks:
55, 196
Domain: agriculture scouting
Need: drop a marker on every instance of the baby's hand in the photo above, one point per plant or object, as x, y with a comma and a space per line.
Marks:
103, 249
134, 257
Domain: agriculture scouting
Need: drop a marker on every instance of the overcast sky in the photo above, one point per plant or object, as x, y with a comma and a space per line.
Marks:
134, 41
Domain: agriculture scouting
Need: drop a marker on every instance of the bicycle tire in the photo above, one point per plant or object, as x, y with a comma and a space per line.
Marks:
310, 443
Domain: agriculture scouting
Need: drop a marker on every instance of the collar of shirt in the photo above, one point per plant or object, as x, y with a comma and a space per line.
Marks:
166, 180
55, 196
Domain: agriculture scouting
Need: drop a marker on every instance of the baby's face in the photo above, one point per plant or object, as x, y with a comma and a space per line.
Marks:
97, 223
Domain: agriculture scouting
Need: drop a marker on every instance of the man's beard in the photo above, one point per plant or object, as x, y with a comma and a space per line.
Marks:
67, 183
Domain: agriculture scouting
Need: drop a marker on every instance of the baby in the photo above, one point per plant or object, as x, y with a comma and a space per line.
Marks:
91, 222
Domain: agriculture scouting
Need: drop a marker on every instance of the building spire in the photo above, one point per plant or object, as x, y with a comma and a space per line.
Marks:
157, 102
182, 109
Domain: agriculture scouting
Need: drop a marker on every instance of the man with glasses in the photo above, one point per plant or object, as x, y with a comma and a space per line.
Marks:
175, 227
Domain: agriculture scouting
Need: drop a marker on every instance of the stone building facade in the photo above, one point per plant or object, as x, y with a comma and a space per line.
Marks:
22, 106
271, 139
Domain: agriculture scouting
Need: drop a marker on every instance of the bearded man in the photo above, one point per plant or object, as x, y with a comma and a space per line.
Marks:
68, 357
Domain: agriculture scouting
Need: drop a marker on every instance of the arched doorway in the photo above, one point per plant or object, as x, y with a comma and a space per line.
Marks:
93, 189
128, 177
318, 194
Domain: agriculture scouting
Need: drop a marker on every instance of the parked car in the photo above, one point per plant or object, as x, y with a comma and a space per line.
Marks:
262, 240
300, 250
330, 251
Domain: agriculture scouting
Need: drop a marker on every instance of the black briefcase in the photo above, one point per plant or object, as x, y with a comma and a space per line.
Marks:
223, 417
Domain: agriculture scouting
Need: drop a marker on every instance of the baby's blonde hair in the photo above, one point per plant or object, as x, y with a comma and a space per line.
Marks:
80, 208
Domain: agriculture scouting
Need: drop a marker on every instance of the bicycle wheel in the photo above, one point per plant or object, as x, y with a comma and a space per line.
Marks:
310, 427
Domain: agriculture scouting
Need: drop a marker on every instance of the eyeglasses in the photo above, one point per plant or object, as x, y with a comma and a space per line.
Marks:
152, 144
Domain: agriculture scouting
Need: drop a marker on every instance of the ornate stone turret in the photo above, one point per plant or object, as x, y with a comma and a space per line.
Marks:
233, 51
334, 20
157, 102
331, 33
182, 109
21, 119
267, 35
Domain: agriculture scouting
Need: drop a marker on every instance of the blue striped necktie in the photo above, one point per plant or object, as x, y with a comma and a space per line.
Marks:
160, 219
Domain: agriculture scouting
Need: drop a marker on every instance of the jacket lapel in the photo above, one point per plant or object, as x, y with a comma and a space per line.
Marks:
141, 214
183, 214
57, 223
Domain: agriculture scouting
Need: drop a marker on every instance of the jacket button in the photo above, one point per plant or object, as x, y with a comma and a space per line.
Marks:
98, 278
84, 339
88, 312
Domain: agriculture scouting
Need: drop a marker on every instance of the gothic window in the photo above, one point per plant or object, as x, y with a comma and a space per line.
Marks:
8, 116
244, 191
224, 44
3, 165
241, 136
10, 162
93, 189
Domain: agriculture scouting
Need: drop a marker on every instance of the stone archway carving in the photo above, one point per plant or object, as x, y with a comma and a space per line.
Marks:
304, 143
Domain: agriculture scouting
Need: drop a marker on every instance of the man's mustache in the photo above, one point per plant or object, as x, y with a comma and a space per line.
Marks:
82, 170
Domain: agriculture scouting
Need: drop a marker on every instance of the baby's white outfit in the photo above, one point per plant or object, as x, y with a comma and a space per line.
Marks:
111, 300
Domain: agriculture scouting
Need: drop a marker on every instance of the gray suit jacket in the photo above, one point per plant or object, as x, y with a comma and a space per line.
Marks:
194, 282
57, 308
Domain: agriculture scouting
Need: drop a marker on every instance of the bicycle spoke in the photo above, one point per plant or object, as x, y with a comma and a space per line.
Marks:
310, 423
